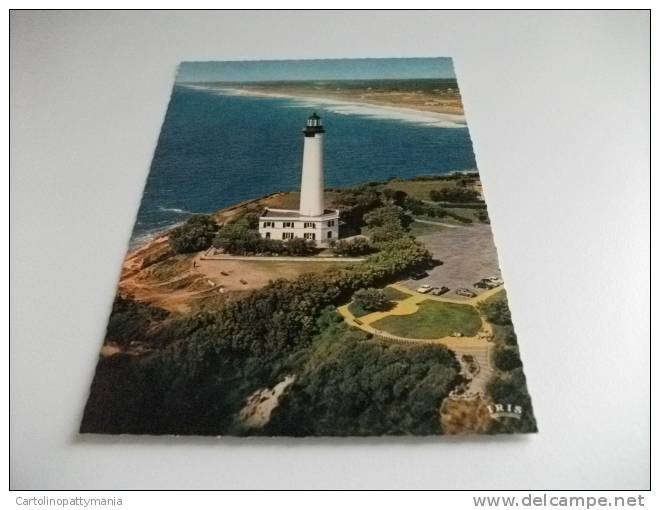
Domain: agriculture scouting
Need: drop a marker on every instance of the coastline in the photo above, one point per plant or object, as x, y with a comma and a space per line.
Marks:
348, 107
144, 241
338, 106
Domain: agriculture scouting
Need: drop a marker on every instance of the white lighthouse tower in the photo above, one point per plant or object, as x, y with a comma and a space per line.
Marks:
311, 187
312, 220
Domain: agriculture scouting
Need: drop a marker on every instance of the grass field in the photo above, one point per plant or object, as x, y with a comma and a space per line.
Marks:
464, 212
420, 189
422, 229
434, 319
498, 296
395, 295
253, 274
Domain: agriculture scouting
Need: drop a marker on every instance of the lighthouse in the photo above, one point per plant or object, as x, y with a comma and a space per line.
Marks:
311, 221
311, 187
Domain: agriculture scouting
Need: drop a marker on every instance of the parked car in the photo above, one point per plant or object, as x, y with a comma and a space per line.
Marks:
465, 292
425, 288
418, 275
440, 291
495, 280
481, 284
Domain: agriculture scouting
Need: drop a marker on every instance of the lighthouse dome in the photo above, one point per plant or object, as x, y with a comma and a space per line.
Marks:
314, 125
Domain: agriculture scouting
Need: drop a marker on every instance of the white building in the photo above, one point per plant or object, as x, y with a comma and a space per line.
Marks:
312, 221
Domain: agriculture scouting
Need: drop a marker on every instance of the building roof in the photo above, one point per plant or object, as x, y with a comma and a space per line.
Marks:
295, 214
281, 213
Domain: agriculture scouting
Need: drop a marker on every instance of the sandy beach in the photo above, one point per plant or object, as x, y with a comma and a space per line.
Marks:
397, 108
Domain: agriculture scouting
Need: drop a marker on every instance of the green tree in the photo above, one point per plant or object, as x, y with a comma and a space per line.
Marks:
354, 203
372, 300
298, 246
507, 358
394, 196
194, 235
496, 311
132, 321
237, 238
352, 247
388, 216
456, 194
352, 386
511, 388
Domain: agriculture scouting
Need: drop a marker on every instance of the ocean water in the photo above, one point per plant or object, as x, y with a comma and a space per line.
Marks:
216, 149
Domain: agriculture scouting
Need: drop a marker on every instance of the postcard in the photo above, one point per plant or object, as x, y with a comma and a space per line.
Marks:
312, 256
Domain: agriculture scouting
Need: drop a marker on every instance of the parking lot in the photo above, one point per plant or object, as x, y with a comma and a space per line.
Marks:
468, 254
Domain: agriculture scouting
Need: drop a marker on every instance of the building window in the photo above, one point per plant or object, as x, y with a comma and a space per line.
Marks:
287, 224
330, 234
310, 224
331, 223
267, 235
269, 224
287, 235
310, 235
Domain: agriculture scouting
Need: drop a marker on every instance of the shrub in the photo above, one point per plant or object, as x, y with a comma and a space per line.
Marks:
482, 216
238, 238
132, 321
387, 234
298, 246
372, 300
354, 386
454, 195
420, 208
354, 203
387, 224
195, 234
387, 216
497, 311
507, 358
352, 247
511, 388
396, 197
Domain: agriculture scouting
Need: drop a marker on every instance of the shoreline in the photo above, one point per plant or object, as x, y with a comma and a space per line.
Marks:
403, 111
142, 240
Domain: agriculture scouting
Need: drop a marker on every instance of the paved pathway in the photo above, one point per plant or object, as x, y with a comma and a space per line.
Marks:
209, 255
449, 225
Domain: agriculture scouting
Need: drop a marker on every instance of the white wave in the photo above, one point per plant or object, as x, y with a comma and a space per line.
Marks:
138, 240
401, 114
174, 210
424, 118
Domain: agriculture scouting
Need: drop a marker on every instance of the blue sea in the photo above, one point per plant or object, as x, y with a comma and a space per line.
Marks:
217, 148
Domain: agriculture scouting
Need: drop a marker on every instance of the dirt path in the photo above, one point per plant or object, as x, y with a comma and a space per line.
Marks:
210, 254
428, 222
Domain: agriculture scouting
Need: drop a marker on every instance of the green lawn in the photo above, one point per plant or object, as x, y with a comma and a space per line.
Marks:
395, 295
434, 319
423, 229
498, 296
420, 189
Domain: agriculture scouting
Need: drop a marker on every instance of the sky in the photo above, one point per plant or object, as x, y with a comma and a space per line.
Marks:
331, 69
